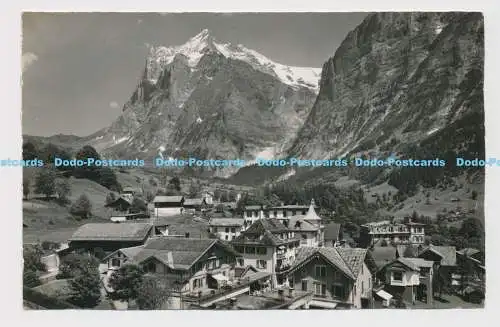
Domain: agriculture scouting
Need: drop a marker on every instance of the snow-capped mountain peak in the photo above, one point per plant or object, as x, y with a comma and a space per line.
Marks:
196, 47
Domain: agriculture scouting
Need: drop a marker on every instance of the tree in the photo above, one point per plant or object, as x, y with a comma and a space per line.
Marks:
110, 198
472, 227
125, 283
107, 178
72, 264
45, 182
194, 190
138, 205
32, 256
85, 288
152, 293
81, 207
29, 151
30, 279
63, 190
26, 188
174, 184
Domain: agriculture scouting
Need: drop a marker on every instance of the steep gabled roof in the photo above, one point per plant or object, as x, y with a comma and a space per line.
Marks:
447, 253
177, 253
349, 261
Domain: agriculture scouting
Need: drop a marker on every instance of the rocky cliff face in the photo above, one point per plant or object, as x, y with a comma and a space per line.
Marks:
397, 79
211, 100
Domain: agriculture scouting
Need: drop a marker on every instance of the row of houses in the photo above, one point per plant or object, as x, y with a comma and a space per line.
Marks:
262, 261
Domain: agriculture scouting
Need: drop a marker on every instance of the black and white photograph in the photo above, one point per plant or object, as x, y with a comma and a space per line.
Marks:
253, 160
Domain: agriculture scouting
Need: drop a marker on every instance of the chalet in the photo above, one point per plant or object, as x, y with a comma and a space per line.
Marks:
122, 204
475, 258
339, 277
194, 205
409, 279
168, 205
109, 237
444, 257
269, 246
226, 228
198, 271
332, 234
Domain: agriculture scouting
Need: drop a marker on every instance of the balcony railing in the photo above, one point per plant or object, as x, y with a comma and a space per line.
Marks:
212, 294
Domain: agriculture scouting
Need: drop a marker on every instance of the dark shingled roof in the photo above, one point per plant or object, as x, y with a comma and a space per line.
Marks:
262, 232
348, 261
332, 232
111, 232
448, 253
178, 253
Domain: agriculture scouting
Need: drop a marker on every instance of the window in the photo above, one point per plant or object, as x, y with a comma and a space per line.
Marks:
227, 229
304, 285
362, 268
226, 237
261, 264
397, 276
250, 250
233, 230
337, 291
214, 230
241, 262
261, 250
275, 213
354, 290
319, 289
151, 267
362, 287
320, 271
115, 262
284, 213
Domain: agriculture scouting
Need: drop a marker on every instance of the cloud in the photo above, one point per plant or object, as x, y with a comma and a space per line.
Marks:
28, 59
114, 105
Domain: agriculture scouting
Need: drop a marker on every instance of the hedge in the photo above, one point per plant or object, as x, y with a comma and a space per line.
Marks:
45, 301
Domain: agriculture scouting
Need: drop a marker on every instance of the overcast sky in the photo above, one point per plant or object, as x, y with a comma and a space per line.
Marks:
80, 68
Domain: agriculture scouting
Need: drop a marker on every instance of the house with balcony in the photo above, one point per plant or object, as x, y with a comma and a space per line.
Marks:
338, 277
373, 234
284, 211
226, 228
269, 246
409, 279
200, 271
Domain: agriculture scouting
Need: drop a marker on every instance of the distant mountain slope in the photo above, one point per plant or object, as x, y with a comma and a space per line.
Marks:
396, 79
